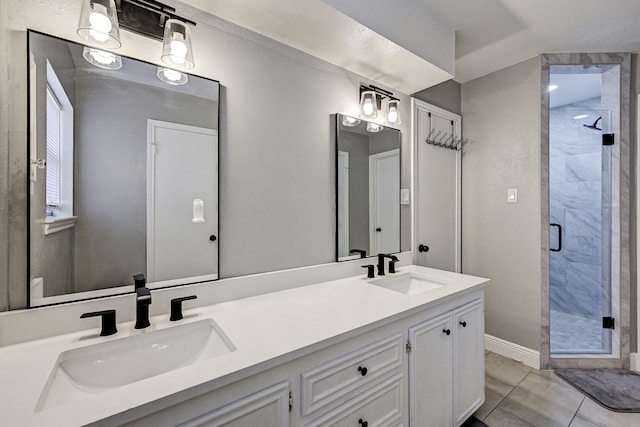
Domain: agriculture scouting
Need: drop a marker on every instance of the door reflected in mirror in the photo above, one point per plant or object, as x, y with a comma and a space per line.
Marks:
368, 188
123, 175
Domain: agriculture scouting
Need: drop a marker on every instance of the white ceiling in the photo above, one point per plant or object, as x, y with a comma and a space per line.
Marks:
493, 34
490, 34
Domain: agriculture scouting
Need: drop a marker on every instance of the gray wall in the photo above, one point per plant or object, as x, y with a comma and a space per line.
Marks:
446, 95
502, 241
111, 172
357, 146
52, 255
277, 183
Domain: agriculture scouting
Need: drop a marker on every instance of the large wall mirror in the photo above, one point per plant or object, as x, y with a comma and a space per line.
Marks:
368, 188
123, 174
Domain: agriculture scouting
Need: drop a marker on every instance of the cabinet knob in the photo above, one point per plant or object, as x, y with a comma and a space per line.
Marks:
463, 323
446, 331
423, 248
378, 229
213, 238
362, 370
363, 423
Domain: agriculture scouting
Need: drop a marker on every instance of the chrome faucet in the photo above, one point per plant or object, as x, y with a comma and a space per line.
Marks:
381, 258
143, 301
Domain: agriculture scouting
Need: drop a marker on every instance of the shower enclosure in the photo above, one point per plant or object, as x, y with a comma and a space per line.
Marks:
580, 229
584, 211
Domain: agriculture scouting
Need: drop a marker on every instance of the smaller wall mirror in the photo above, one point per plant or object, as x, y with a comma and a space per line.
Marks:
368, 188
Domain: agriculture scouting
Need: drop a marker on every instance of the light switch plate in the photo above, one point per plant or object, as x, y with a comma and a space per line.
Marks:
405, 196
512, 195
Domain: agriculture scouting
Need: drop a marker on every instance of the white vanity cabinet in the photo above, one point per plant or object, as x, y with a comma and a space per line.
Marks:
424, 369
446, 366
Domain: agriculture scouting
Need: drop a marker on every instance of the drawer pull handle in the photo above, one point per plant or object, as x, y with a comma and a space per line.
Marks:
464, 324
364, 423
362, 370
446, 331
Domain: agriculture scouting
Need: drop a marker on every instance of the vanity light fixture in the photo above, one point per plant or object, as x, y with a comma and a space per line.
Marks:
102, 58
99, 23
374, 127
349, 121
371, 101
172, 77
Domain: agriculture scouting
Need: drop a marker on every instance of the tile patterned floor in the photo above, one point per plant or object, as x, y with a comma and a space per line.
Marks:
516, 395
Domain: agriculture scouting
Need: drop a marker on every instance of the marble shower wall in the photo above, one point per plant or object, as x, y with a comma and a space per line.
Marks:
578, 186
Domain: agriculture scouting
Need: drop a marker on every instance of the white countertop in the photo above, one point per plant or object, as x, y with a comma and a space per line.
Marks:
267, 330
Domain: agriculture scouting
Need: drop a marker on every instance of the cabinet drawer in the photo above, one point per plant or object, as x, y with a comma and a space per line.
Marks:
379, 406
340, 378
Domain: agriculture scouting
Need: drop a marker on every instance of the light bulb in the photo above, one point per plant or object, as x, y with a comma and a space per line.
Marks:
102, 57
374, 127
392, 117
99, 20
178, 50
367, 108
172, 75
350, 121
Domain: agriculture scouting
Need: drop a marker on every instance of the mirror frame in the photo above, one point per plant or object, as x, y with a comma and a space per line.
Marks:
110, 291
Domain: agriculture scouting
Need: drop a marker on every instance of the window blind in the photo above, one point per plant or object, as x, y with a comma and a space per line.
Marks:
53, 149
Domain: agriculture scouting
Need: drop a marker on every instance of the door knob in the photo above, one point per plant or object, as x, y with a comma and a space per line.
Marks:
423, 248
213, 237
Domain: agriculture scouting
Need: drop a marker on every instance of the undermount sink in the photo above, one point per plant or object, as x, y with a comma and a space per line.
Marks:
99, 367
408, 283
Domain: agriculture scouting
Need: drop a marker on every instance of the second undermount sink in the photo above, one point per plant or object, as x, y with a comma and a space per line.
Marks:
103, 366
408, 283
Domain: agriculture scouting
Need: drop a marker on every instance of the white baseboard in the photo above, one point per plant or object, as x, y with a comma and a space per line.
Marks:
634, 359
512, 351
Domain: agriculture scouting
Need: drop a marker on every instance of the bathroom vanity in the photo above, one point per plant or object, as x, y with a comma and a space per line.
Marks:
405, 349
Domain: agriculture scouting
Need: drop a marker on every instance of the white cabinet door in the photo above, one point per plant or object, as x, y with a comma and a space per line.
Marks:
266, 408
430, 373
468, 370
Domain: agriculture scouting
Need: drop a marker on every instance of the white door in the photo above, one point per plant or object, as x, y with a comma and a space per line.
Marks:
437, 178
182, 202
430, 373
384, 199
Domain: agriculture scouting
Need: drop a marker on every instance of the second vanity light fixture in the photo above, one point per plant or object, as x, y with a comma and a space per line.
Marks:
371, 98
99, 26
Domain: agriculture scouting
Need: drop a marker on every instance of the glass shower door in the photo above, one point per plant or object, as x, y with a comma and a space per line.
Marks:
580, 197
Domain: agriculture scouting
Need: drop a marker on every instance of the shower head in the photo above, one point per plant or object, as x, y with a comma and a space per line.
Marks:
594, 125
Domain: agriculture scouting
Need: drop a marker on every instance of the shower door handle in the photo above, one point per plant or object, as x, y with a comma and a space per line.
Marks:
559, 248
